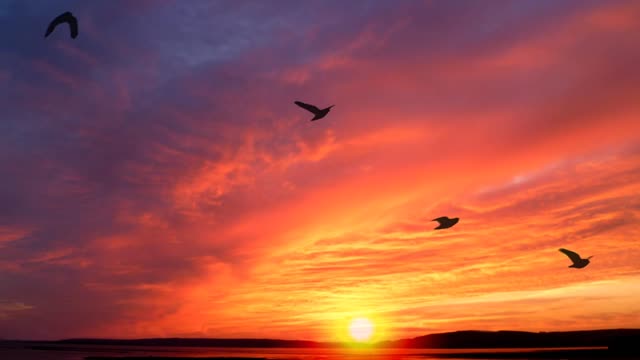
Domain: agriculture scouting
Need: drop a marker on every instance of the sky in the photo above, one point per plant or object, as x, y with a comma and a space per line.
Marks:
156, 178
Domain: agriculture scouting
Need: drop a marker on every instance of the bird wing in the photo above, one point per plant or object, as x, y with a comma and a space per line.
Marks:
307, 107
73, 26
440, 219
52, 26
573, 256
65, 17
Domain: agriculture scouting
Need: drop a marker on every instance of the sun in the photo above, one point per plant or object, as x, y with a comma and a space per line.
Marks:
361, 329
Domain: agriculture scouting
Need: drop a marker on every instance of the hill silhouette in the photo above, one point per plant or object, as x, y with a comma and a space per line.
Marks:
619, 339
199, 342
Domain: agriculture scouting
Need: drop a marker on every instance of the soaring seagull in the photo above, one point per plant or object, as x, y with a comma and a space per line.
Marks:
68, 18
578, 262
319, 114
445, 222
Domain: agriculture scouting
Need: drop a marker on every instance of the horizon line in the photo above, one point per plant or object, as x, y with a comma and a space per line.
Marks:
317, 341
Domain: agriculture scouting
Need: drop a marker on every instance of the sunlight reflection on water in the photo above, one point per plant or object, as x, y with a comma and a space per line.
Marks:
80, 352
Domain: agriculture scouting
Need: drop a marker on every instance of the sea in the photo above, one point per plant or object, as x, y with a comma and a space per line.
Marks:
80, 352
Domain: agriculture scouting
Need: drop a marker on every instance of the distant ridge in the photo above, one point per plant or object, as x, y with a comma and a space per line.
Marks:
619, 339
472, 339
199, 342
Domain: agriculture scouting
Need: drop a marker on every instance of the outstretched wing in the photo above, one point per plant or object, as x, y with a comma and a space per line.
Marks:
73, 26
307, 107
573, 256
62, 18
52, 26
441, 219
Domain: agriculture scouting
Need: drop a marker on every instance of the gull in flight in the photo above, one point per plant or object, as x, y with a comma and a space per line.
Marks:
578, 262
68, 18
319, 113
445, 222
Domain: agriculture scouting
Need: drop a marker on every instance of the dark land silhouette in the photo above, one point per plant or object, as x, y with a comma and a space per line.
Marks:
599, 344
578, 262
445, 222
319, 113
200, 342
470, 339
66, 17
617, 338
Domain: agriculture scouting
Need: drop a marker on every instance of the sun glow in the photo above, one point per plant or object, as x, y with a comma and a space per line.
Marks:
361, 329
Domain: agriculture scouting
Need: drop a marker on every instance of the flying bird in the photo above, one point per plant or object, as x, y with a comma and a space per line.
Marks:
319, 113
68, 18
445, 222
578, 262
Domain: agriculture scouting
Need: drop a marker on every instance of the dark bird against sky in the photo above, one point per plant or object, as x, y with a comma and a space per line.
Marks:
68, 18
445, 222
578, 262
319, 113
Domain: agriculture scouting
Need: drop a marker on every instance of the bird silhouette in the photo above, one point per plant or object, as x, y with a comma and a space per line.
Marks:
445, 222
65, 17
578, 262
319, 113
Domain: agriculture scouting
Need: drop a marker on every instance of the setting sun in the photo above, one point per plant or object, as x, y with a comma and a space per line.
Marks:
361, 329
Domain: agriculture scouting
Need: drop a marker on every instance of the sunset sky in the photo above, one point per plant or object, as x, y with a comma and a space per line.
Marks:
156, 178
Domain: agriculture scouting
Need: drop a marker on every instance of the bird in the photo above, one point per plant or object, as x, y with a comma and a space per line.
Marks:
578, 262
64, 17
445, 222
319, 114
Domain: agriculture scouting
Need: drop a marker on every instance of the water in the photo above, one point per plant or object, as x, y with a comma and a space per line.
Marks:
79, 352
